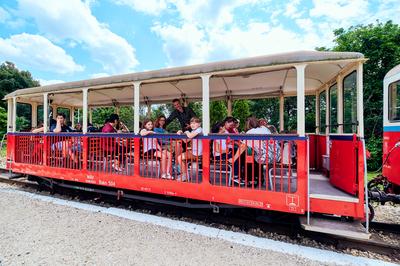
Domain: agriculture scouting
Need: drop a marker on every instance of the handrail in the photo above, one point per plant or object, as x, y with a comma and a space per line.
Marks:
168, 136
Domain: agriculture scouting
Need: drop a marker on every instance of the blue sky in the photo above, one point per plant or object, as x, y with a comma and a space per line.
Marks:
65, 40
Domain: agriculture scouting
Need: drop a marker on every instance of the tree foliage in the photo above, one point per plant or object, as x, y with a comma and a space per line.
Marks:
380, 43
11, 79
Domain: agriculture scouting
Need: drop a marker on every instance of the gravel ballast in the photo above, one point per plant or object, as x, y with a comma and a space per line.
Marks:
34, 232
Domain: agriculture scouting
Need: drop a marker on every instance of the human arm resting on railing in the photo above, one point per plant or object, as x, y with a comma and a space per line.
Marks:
145, 132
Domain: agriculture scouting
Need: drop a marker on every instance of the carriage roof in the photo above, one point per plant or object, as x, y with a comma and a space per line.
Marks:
255, 77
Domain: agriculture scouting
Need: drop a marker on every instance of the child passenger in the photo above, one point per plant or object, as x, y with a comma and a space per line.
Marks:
151, 148
197, 146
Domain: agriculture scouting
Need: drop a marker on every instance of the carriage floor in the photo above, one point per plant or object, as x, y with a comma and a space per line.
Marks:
320, 188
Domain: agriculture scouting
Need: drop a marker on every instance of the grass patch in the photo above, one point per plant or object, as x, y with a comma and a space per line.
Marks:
371, 175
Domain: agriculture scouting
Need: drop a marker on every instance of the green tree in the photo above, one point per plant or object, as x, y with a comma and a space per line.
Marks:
3, 120
11, 79
241, 111
218, 112
379, 43
268, 109
99, 115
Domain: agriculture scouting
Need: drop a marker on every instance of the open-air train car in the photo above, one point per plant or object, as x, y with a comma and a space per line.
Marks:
325, 174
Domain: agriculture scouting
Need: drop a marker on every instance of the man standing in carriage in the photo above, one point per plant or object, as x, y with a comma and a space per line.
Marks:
183, 114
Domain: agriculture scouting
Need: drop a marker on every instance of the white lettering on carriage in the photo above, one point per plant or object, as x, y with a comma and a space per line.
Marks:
253, 203
146, 189
170, 193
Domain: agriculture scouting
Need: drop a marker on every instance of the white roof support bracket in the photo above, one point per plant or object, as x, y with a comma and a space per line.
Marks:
136, 106
85, 94
206, 103
45, 111
14, 116
300, 69
360, 100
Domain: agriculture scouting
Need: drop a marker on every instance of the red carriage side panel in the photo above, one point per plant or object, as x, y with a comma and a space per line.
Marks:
10, 150
391, 169
320, 150
343, 163
312, 148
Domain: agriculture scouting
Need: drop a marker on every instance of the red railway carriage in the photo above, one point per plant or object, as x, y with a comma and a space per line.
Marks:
391, 128
304, 172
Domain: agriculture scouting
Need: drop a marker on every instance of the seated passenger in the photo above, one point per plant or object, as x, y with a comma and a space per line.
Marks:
151, 148
259, 146
197, 146
114, 147
271, 128
60, 125
65, 146
229, 124
159, 128
221, 151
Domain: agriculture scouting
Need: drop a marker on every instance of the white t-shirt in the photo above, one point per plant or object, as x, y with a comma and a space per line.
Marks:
197, 144
259, 146
148, 143
222, 146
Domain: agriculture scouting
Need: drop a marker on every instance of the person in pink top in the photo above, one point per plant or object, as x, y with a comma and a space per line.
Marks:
151, 148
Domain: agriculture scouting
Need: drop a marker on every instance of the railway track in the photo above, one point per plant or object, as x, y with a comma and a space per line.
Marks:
275, 225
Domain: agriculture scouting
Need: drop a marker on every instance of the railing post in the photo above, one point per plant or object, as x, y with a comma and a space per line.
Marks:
85, 143
136, 106
136, 158
45, 149
206, 161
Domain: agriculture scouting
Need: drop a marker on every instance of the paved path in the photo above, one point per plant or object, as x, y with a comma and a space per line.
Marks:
40, 232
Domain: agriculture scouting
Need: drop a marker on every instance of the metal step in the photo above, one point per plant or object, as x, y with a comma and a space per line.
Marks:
353, 230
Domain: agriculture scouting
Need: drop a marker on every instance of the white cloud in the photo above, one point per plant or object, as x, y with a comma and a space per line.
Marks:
72, 20
189, 44
339, 9
44, 82
152, 7
292, 9
35, 51
306, 24
182, 45
99, 75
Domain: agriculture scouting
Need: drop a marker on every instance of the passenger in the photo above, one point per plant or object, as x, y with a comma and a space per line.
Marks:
197, 147
159, 128
60, 125
151, 148
256, 147
221, 151
229, 124
271, 128
183, 114
259, 147
65, 146
160, 125
78, 127
114, 147
236, 126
